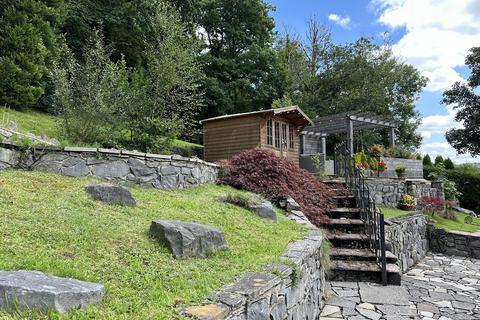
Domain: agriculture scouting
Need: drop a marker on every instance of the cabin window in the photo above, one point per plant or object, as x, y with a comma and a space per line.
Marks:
284, 136
270, 132
291, 141
277, 134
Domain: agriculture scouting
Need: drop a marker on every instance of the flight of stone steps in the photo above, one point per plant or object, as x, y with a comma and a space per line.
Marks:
351, 258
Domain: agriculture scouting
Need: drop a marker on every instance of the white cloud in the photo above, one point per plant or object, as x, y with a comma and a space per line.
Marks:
437, 37
343, 22
438, 124
438, 34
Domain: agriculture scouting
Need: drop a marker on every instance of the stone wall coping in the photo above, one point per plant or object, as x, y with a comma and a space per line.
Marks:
402, 218
402, 159
131, 153
464, 233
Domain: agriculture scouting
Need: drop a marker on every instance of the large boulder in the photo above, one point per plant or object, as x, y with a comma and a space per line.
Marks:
265, 210
37, 291
111, 194
188, 239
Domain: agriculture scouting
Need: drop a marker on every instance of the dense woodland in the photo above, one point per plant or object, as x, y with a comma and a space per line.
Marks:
139, 73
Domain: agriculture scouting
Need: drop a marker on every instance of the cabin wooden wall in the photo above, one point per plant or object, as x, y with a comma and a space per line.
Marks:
224, 138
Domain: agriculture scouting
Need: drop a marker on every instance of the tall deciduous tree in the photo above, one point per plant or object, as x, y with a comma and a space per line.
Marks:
362, 76
238, 59
28, 47
467, 103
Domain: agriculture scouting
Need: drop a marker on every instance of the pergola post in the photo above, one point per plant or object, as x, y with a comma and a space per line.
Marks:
350, 136
392, 137
324, 149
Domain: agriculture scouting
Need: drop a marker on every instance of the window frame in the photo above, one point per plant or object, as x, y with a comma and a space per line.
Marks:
291, 136
270, 132
276, 130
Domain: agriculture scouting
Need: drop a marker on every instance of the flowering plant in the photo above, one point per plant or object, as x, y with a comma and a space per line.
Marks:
408, 200
381, 166
360, 167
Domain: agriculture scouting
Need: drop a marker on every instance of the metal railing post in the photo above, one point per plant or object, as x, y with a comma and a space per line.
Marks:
383, 250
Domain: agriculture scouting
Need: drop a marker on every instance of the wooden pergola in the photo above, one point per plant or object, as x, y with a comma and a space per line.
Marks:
349, 122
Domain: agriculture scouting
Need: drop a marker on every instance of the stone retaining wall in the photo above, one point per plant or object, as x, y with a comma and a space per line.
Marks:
455, 243
407, 236
388, 192
290, 290
148, 170
414, 168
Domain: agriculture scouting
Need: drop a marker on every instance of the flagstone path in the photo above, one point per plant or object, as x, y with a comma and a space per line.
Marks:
440, 287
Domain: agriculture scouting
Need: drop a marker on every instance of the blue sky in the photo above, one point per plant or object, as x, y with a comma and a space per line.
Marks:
432, 35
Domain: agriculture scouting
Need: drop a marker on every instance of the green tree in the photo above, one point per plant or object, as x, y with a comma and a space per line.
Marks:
238, 58
439, 160
105, 102
364, 76
427, 161
466, 101
28, 48
448, 163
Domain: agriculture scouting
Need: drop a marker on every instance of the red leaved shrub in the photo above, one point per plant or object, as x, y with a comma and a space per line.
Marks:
431, 204
261, 171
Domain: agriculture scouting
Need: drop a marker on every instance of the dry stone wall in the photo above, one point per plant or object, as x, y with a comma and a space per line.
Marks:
454, 243
293, 289
388, 192
148, 170
407, 236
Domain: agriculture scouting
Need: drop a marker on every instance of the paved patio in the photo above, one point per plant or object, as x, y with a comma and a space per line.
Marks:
440, 287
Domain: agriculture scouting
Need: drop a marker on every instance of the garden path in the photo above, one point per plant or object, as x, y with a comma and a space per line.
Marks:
440, 287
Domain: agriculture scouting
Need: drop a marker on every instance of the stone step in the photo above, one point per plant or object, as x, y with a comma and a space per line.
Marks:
345, 201
363, 271
345, 225
349, 240
349, 213
358, 255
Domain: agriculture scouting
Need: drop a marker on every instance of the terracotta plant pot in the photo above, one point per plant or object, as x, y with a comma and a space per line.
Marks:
407, 207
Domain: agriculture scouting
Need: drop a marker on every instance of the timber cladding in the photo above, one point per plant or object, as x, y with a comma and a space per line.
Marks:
226, 137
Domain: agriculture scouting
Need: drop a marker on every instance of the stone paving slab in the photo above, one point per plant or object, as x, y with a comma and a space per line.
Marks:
439, 287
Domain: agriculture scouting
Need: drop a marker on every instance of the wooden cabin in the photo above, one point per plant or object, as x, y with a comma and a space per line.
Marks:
274, 129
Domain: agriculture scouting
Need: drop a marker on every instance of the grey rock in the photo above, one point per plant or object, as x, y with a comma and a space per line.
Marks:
12, 125
168, 182
292, 205
35, 290
75, 167
188, 239
139, 168
114, 169
265, 210
112, 194
8, 156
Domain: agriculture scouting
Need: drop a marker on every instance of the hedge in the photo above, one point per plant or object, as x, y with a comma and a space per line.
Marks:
468, 183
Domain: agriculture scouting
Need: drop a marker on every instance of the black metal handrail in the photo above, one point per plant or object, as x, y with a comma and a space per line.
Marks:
371, 215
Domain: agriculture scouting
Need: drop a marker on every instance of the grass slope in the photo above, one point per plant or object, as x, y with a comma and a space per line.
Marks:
30, 120
450, 225
37, 122
48, 223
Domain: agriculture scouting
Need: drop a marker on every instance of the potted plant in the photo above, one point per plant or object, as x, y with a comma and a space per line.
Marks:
381, 166
400, 170
408, 202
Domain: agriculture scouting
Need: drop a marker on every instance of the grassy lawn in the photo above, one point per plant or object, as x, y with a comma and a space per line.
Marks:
29, 120
37, 122
442, 223
48, 223
393, 212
